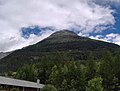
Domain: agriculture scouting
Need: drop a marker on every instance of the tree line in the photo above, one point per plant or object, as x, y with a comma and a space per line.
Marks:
67, 74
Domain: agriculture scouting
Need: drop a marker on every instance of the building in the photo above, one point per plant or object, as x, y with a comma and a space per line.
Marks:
9, 83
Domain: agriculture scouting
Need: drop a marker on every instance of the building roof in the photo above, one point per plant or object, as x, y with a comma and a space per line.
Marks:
19, 83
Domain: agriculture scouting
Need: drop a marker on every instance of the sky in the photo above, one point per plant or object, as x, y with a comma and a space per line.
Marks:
26, 22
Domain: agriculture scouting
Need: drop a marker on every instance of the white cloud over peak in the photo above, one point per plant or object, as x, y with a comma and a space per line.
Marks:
112, 37
115, 38
14, 14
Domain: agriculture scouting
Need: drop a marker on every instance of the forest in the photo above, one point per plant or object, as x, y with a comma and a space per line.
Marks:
65, 73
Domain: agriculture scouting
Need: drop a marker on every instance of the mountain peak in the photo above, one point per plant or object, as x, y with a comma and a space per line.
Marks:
62, 36
64, 33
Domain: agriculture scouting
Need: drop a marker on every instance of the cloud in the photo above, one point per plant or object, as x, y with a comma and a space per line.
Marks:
18, 42
15, 14
115, 38
112, 37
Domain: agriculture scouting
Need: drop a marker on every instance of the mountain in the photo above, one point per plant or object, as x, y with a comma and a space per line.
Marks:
69, 41
62, 41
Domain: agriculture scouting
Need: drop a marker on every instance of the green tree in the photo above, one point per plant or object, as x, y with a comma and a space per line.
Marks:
73, 75
81, 81
107, 70
27, 72
53, 76
49, 88
116, 68
95, 84
91, 67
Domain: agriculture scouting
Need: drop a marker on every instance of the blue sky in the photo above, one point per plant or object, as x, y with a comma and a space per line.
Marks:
115, 31
26, 22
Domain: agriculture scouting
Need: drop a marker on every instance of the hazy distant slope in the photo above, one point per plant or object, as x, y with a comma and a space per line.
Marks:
4, 54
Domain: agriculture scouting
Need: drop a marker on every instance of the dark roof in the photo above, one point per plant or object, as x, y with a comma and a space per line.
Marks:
20, 83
